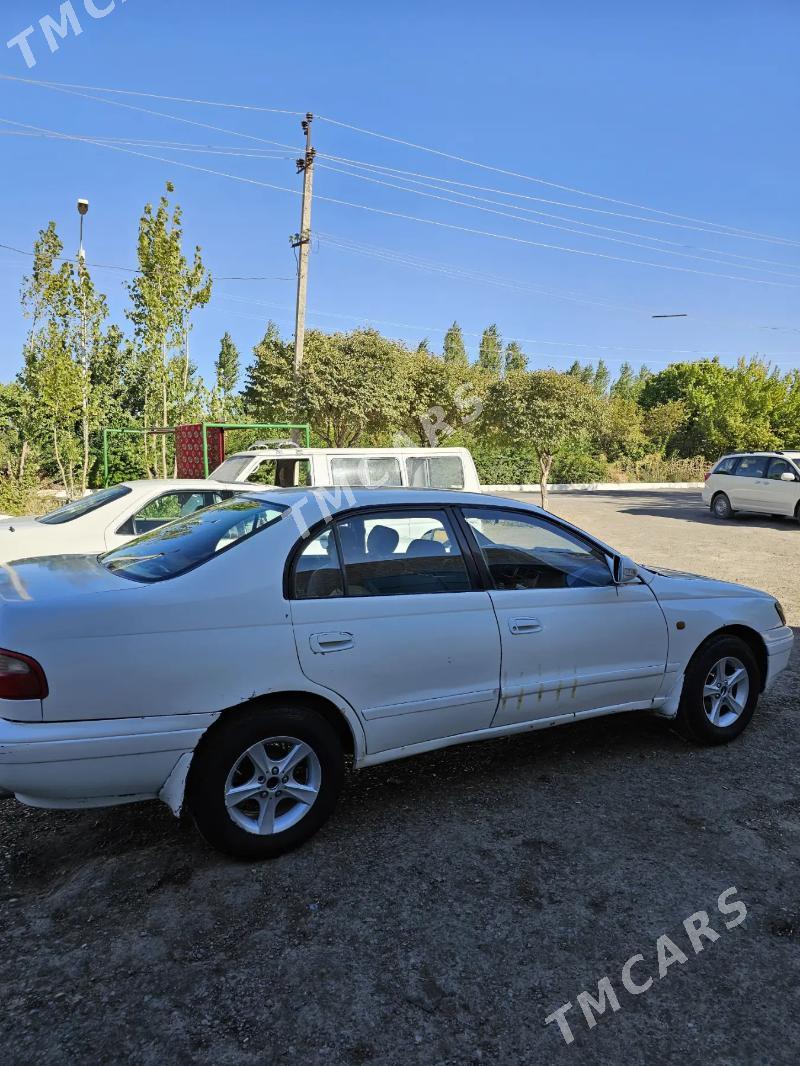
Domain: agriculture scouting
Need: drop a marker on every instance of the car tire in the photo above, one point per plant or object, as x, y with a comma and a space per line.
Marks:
797, 513
238, 757
720, 691
721, 506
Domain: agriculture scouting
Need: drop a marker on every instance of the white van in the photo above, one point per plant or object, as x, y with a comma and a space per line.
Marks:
286, 464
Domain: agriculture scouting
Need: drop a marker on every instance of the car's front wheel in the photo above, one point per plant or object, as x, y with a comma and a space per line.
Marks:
720, 691
264, 780
721, 506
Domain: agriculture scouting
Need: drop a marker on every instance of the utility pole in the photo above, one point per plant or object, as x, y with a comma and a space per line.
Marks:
302, 241
83, 208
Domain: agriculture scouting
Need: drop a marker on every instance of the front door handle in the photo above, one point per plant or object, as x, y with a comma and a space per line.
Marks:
322, 643
520, 626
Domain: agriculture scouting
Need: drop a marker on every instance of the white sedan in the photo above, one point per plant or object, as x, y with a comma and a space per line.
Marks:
107, 518
230, 661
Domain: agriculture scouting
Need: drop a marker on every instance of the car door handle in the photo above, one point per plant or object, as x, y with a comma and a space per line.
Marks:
322, 643
520, 626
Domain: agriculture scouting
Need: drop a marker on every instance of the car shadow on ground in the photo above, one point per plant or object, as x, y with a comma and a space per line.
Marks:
686, 506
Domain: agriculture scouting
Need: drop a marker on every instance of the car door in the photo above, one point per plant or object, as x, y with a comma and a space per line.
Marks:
774, 495
159, 509
744, 488
572, 640
393, 621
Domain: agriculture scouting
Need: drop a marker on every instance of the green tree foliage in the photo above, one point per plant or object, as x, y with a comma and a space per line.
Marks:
227, 368
515, 358
163, 295
490, 356
542, 410
269, 391
454, 350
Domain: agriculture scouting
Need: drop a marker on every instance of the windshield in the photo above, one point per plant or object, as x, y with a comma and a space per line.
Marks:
188, 542
232, 469
79, 508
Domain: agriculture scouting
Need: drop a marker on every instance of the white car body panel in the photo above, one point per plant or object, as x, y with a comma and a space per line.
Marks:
138, 672
97, 531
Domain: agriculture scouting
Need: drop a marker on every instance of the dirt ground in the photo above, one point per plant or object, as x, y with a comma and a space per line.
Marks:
454, 901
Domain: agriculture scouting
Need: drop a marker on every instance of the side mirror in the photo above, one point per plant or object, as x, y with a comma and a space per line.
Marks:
787, 475
625, 570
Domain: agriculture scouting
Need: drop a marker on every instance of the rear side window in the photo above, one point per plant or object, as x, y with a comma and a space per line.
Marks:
85, 506
388, 554
188, 542
366, 472
435, 472
167, 508
727, 466
752, 466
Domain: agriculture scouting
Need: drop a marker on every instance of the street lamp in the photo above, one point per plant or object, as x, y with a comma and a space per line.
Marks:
83, 209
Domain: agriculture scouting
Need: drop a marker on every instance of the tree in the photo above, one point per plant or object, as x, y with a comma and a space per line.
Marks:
491, 351
515, 359
164, 294
541, 409
454, 350
352, 385
269, 393
227, 379
424, 347
64, 346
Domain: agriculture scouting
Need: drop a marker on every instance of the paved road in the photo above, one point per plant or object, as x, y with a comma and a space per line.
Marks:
454, 901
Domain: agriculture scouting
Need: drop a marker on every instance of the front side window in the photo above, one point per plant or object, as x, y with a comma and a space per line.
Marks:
779, 467
526, 552
188, 542
435, 472
392, 553
79, 508
366, 472
752, 466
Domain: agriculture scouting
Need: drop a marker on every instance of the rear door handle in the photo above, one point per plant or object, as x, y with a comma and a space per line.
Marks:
520, 626
322, 643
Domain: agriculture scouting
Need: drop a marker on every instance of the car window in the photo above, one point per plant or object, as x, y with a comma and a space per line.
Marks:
69, 512
752, 466
526, 552
778, 467
178, 546
317, 572
369, 472
166, 508
392, 553
435, 472
726, 466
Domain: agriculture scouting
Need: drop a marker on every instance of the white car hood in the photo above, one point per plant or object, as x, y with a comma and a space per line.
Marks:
674, 584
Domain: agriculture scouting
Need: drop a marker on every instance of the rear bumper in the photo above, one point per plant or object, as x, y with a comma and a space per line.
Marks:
94, 763
779, 644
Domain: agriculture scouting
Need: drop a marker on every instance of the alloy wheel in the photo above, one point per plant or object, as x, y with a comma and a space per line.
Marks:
273, 785
726, 691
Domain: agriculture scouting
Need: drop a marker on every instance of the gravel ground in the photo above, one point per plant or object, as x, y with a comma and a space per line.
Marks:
455, 899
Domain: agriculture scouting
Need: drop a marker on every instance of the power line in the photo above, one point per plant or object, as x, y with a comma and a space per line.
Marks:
551, 184
152, 96
414, 218
565, 229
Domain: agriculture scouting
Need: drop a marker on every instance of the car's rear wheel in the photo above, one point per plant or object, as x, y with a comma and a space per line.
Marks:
797, 513
721, 506
264, 780
720, 691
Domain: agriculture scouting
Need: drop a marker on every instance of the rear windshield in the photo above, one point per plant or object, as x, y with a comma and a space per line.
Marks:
188, 542
79, 508
232, 469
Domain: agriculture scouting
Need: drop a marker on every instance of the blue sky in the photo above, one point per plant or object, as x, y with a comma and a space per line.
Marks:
690, 108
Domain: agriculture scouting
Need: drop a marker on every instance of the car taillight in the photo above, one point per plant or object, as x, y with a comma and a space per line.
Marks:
21, 678
707, 475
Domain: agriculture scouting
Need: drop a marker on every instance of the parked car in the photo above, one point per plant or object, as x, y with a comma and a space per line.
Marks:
107, 518
765, 482
230, 661
285, 464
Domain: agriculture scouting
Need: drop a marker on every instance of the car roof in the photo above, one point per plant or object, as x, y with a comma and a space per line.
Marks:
300, 452
165, 484
343, 498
